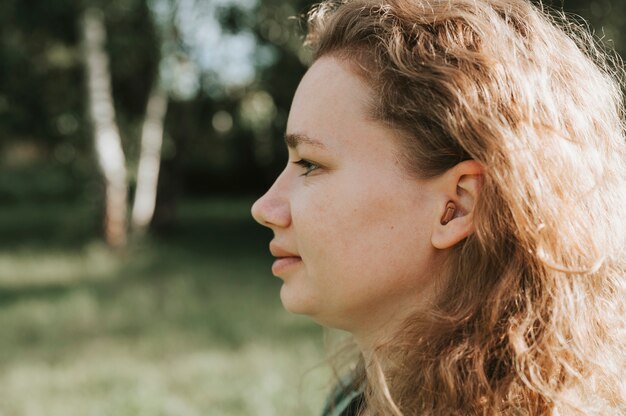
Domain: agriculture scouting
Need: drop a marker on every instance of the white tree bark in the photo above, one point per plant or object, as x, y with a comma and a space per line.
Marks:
108, 143
149, 159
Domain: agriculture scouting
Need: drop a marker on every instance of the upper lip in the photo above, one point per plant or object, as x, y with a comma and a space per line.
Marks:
278, 251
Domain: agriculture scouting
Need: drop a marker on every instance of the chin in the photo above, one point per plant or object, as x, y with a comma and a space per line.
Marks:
295, 302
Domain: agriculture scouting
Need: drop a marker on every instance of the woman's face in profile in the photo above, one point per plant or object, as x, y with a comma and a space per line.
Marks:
352, 229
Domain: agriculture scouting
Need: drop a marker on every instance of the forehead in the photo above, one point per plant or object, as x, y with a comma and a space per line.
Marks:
329, 99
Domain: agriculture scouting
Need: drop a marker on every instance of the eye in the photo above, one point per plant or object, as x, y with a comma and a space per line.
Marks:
308, 166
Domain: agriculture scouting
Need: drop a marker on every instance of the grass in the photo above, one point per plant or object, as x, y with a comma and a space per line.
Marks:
187, 324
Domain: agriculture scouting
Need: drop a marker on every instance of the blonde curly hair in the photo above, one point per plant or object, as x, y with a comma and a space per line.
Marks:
532, 316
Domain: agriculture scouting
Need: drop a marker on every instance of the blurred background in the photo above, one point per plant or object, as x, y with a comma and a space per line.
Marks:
134, 137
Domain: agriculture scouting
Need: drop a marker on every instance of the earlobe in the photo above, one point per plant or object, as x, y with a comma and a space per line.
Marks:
451, 231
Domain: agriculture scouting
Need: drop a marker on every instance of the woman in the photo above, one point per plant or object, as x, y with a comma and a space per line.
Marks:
454, 199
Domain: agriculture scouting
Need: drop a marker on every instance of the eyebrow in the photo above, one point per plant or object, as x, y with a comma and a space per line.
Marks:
293, 140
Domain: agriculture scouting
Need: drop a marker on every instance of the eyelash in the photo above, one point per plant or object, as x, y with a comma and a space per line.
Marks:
307, 165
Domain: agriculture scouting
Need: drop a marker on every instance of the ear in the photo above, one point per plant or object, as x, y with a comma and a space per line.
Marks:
459, 188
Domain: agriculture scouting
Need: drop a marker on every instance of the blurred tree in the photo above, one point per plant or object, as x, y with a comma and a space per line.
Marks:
106, 135
149, 159
152, 131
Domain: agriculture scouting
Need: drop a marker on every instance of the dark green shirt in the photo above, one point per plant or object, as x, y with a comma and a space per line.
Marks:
345, 400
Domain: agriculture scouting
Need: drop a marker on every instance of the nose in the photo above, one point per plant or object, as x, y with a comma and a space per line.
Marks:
272, 209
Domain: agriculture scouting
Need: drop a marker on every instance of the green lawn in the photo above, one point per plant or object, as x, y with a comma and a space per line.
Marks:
184, 324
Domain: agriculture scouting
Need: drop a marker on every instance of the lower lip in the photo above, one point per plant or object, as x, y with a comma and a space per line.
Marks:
283, 264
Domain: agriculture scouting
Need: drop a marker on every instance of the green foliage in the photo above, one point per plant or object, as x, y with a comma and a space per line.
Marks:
43, 182
606, 19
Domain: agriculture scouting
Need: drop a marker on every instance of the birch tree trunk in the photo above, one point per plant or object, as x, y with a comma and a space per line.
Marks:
149, 159
108, 144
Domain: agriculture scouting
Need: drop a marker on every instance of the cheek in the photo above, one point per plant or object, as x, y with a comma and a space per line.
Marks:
325, 230
346, 234
315, 219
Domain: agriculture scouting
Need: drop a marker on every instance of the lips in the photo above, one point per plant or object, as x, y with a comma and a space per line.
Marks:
285, 259
278, 251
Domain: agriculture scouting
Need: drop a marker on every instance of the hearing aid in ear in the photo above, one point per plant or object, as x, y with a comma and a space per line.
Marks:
449, 213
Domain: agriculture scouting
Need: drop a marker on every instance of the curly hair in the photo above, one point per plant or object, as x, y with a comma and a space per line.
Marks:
531, 316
